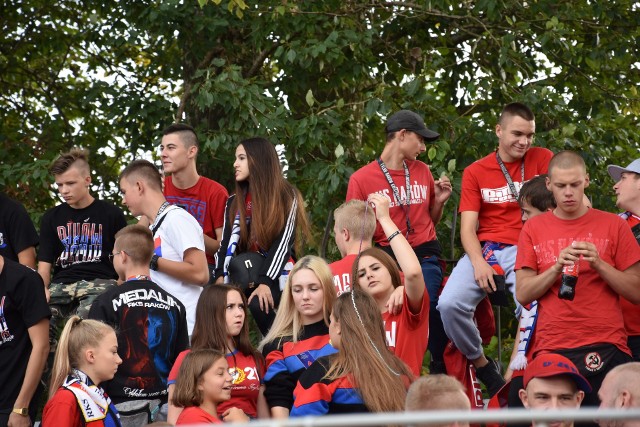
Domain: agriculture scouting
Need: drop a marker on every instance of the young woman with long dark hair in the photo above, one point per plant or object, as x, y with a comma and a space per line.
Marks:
221, 324
264, 215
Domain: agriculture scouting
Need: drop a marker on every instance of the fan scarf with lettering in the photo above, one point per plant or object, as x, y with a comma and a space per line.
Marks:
94, 404
527, 326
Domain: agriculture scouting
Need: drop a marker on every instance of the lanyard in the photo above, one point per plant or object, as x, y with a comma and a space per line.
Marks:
156, 224
138, 277
406, 206
505, 172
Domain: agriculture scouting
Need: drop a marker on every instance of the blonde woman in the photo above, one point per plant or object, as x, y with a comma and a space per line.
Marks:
300, 331
87, 355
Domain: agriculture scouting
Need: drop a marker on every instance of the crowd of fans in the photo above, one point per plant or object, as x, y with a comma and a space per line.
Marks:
133, 324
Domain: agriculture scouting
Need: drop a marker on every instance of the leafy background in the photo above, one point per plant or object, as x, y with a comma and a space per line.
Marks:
317, 77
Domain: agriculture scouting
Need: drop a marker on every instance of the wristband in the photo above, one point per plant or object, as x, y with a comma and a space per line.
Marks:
21, 411
393, 235
153, 265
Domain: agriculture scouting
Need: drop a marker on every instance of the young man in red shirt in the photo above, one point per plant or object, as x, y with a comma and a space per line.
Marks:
202, 197
588, 329
417, 201
490, 225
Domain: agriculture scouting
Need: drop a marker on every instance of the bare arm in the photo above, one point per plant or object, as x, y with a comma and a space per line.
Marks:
482, 271
44, 270
407, 259
27, 257
625, 283
532, 285
39, 336
192, 269
263, 407
212, 245
279, 412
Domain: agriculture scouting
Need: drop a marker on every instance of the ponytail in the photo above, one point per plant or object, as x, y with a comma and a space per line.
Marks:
76, 336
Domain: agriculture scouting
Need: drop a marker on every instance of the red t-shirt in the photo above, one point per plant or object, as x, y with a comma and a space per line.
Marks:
370, 179
631, 312
195, 415
247, 378
205, 201
408, 333
341, 271
594, 315
485, 190
62, 410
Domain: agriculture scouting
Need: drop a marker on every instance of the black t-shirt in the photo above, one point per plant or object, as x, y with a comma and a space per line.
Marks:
22, 305
77, 242
152, 331
16, 229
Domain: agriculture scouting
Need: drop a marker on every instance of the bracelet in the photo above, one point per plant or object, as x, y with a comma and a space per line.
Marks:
393, 235
153, 264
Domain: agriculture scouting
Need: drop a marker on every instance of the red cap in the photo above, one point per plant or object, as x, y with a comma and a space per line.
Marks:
549, 365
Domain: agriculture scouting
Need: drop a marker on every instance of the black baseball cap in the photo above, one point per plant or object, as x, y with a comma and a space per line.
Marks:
406, 119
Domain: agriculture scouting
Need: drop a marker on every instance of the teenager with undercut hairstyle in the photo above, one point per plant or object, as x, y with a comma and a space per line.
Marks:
152, 330
585, 325
178, 264
489, 229
354, 225
76, 238
202, 197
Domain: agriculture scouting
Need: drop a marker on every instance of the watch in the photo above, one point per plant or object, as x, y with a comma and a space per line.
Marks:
21, 411
154, 262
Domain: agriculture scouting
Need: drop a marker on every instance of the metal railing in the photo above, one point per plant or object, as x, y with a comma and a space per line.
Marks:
447, 417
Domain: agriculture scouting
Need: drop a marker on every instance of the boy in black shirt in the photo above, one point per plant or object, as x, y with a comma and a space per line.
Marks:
152, 330
76, 238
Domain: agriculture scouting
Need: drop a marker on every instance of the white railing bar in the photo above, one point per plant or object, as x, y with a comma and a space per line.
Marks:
444, 417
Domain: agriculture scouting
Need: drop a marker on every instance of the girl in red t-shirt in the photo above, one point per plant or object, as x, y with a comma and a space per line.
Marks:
377, 274
220, 324
87, 355
203, 383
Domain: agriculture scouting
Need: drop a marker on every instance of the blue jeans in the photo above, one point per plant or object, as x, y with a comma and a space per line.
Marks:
432, 273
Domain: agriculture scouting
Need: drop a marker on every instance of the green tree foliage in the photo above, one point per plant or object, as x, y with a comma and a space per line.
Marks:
317, 76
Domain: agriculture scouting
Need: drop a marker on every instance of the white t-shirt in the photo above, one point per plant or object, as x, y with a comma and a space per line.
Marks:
178, 232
